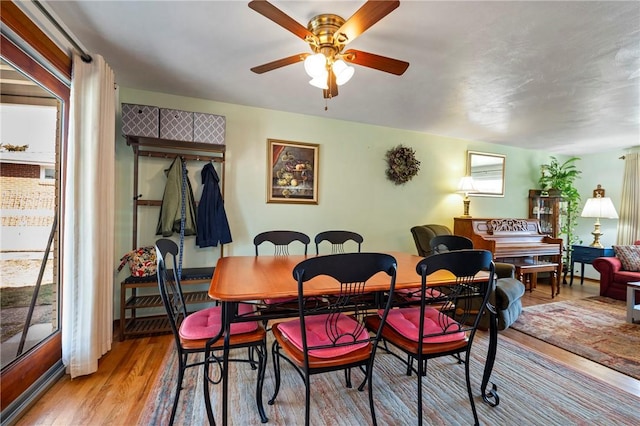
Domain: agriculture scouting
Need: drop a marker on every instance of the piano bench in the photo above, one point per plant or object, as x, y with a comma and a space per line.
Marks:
527, 270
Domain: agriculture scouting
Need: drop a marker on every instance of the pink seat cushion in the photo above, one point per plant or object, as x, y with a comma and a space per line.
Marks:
415, 295
405, 322
206, 323
317, 335
280, 300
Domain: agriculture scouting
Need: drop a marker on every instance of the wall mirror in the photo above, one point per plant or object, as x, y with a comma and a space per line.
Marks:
487, 171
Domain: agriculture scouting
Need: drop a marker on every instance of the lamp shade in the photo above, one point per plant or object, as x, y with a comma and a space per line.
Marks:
342, 71
466, 185
320, 81
315, 65
599, 207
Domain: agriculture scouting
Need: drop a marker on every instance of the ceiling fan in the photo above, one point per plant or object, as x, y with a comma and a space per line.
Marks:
327, 36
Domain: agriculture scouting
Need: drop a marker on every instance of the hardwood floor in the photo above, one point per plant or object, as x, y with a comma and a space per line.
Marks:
115, 393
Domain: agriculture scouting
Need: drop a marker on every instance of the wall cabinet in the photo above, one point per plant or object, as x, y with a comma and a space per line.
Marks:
141, 308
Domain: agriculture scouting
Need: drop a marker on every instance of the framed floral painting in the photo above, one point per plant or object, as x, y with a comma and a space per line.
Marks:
292, 172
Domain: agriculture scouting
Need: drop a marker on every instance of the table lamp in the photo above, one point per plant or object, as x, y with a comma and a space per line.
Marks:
466, 186
599, 207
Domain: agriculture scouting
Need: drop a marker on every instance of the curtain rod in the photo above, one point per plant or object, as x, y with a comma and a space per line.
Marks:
84, 55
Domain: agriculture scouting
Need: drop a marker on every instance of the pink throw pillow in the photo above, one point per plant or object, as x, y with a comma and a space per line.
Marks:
405, 322
317, 335
206, 323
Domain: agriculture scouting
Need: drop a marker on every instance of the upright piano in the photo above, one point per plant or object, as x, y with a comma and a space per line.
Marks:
510, 238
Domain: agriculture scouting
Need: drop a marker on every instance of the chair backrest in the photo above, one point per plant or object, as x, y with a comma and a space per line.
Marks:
444, 243
351, 271
423, 234
281, 241
169, 285
457, 301
338, 240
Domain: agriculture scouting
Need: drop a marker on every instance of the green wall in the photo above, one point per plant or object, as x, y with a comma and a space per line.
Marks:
354, 193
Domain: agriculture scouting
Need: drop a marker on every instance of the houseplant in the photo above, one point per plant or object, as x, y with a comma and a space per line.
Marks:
559, 177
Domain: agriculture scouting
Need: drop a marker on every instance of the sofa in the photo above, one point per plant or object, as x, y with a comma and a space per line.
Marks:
615, 273
509, 290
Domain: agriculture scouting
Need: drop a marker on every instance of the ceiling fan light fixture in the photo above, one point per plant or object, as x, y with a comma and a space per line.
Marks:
342, 71
320, 81
315, 65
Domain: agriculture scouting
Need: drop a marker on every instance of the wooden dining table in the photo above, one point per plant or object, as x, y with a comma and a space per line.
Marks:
254, 278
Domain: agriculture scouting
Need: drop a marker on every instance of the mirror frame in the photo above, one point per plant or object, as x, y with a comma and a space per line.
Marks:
496, 163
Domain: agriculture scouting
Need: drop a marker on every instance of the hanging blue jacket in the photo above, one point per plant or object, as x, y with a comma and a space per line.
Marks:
213, 227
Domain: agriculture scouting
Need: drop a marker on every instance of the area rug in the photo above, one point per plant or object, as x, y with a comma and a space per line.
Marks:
533, 389
594, 328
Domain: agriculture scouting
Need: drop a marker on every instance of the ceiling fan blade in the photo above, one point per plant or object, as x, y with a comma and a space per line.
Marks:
371, 60
279, 63
370, 13
269, 11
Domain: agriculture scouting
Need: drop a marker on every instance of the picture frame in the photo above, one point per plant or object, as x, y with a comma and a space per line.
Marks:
488, 173
292, 172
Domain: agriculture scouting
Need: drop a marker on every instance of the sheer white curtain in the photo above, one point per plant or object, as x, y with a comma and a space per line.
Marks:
629, 224
88, 218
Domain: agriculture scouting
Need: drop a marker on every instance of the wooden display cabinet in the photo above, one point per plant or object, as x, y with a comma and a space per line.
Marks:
550, 210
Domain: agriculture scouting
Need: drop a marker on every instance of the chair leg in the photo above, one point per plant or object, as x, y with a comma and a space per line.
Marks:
276, 371
206, 384
476, 422
421, 372
262, 361
182, 361
307, 398
369, 378
347, 377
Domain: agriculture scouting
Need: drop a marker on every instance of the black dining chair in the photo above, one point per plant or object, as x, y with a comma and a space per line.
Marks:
333, 337
193, 332
441, 326
338, 239
281, 240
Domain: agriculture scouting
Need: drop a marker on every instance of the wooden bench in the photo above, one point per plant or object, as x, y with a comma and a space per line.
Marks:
527, 271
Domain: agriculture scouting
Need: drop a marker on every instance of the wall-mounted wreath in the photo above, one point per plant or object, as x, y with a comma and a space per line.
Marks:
402, 164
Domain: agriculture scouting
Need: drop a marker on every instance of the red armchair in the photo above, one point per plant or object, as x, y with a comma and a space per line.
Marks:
613, 280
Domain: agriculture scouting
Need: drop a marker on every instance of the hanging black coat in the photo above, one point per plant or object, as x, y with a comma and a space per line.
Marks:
213, 227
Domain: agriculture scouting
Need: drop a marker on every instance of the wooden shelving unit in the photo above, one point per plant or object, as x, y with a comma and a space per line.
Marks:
133, 305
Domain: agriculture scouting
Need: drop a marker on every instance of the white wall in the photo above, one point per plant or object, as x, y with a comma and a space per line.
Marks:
354, 193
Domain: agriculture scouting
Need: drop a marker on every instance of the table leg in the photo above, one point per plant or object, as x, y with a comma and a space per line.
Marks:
571, 280
581, 273
631, 303
227, 314
491, 396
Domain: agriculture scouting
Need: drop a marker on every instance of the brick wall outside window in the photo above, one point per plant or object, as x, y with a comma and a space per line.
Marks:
25, 201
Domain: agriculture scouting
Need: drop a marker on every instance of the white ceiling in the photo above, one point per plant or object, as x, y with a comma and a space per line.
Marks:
558, 76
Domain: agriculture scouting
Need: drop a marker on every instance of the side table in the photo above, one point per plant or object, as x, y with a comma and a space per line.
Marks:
633, 305
586, 254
